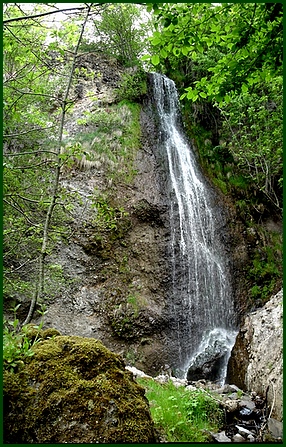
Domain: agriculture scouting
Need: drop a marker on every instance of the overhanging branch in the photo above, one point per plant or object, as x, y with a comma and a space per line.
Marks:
17, 19
34, 16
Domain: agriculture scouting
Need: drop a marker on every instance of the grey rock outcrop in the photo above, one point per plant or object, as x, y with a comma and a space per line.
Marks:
256, 359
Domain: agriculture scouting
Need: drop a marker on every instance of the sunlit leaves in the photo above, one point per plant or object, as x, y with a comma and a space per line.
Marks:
156, 40
192, 94
245, 36
253, 125
163, 53
155, 59
32, 80
185, 50
244, 88
230, 55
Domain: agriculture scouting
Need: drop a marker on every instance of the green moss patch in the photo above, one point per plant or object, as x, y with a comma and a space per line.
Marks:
74, 390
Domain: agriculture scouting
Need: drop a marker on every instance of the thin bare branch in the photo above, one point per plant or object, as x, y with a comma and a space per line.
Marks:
30, 153
24, 198
29, 261
17, 19
35, 129
22, 168
18, 208
31, 93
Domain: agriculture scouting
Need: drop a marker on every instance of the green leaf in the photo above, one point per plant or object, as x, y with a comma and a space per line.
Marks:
156, 41
250, 81
146, 57
176, 51
155, 8
163, 53
155, 60
203, 94
215, 27
192, 94
185, 50
244, 88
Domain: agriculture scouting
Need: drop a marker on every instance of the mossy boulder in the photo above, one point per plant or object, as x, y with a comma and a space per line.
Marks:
74, 390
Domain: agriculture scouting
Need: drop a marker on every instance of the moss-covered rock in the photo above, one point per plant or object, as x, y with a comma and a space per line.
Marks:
74, 390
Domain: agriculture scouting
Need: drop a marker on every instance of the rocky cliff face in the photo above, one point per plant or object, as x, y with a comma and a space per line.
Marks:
256, 359
114, 270
112, 282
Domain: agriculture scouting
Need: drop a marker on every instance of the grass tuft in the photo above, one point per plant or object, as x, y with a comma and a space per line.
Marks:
182, 415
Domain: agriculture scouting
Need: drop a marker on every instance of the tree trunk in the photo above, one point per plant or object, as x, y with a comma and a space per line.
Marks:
41, 274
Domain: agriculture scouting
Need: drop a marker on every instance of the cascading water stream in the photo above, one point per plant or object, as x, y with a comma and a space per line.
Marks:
201, 298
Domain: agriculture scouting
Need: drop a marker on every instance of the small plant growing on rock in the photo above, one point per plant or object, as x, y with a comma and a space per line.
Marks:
133, 86
239, 393
108, 218
17, 342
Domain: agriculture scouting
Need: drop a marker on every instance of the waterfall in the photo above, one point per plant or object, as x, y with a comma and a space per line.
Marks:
200, 296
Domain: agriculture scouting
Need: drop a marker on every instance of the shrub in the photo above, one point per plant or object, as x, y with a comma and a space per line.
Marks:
133, 86
18, 341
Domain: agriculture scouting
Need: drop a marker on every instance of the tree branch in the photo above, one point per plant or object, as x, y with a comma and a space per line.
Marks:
32, 93
31, 166
17, 208
16, 19
24, 198
29, 261
44, 62
35, 129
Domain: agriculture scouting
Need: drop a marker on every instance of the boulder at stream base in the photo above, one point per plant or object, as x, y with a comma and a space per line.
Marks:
257, 357
74, 390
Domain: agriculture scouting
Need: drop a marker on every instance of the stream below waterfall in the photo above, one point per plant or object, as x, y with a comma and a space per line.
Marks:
201, 303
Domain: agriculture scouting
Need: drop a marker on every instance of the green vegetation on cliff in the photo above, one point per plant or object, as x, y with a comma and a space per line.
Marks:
226, 60
43, 80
